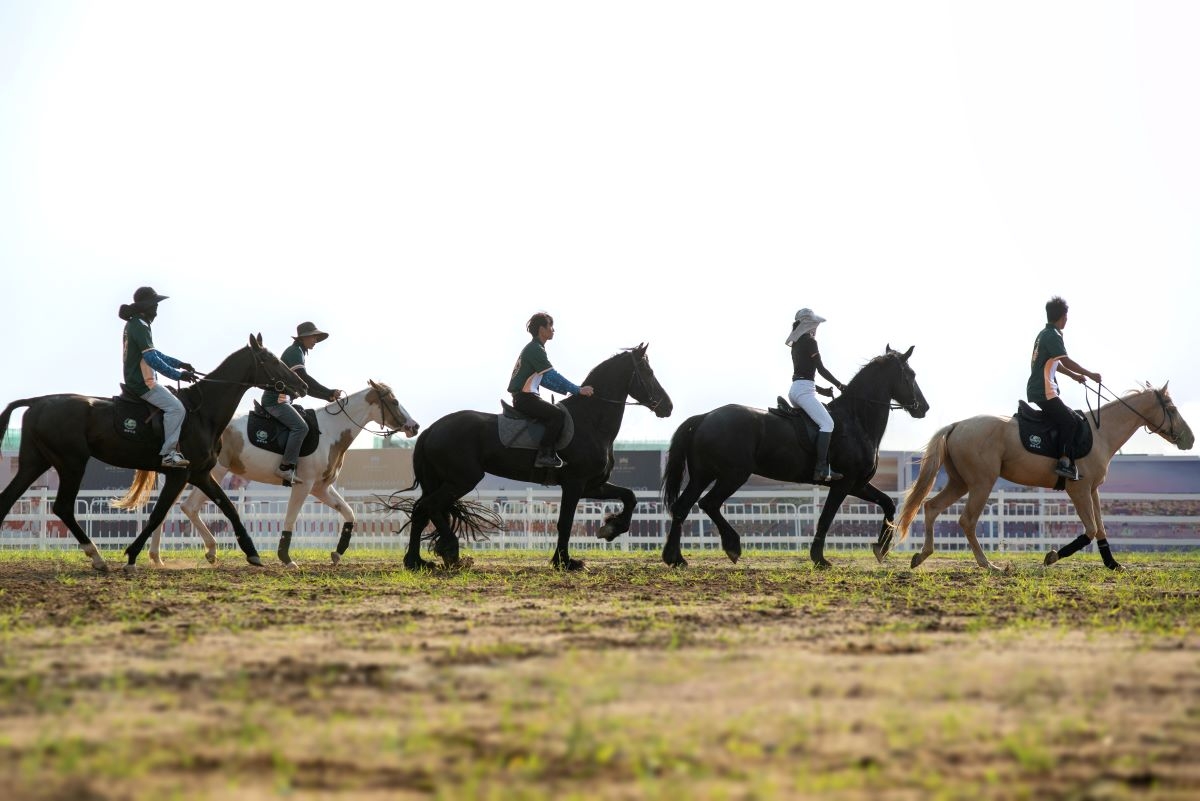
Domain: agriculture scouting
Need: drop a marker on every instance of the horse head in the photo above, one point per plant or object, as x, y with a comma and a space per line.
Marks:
391, 414
1173, 428
628, 374
272, 374
903, 388
644, 386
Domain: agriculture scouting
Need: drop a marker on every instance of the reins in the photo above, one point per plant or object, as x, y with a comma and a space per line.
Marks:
1151, 427
341, 404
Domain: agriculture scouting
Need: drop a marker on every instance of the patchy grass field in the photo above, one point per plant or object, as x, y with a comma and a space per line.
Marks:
762, 680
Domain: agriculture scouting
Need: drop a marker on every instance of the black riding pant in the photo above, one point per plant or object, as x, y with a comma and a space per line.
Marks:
543, 412
1064, 420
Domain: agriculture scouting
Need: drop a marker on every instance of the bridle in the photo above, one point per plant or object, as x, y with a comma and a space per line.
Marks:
637, 375
341, 404
279, 385
1171, 435
891, 404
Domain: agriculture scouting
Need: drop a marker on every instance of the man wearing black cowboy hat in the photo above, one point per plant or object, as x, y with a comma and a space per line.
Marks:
141, 360
280, 406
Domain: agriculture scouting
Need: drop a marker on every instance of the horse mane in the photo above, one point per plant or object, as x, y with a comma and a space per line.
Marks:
871, 368
603, 367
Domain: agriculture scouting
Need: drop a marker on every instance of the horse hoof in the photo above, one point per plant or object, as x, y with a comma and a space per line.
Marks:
734, 556
880, 553
292, 565
155, 560
335, 557
1050, 559
575, 564
822, 564
131, 567
682, 563
255, 560
608, 532
1117, 567
211, 556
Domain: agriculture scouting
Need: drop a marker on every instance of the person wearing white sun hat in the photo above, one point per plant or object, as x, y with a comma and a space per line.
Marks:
806, 363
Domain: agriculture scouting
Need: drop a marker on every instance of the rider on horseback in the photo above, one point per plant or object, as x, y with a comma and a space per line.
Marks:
141, 359
806, 363
279, 405
533, 371
1050, 358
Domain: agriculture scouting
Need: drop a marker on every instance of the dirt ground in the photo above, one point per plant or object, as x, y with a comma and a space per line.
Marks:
760, 680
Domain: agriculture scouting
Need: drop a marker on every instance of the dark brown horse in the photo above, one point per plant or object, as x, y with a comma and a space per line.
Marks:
64, 431
453, 454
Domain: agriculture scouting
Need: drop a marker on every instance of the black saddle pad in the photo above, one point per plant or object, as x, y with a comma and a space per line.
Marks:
806, 427
1039, 435
264, 431
135, 419
518, 430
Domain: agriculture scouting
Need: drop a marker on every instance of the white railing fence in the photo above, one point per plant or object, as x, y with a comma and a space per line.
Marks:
1012, 521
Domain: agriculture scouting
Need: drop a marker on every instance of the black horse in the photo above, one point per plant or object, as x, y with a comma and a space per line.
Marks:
729, 444
63, 431
453, 454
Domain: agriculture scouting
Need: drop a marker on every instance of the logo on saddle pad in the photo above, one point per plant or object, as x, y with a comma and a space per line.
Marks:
261, 436
130, 424
1035, 442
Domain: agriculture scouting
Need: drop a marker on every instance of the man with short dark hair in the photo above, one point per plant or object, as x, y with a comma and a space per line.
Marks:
1049, 359
533, 371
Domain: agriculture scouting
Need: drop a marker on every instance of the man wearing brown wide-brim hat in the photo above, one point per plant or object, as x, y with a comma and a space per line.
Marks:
280, 406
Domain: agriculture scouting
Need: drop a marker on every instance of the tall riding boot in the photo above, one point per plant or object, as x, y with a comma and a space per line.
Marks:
824, 473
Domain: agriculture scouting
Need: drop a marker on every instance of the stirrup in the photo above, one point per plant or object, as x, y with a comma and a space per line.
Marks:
548, 459
175, 459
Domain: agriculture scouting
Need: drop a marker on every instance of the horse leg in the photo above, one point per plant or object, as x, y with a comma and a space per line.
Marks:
1087, 506
208, 485
172, 485
328, 495
191, 507
934, 507
672, 550
416, 527
566, 518
976, 500
872, 494
69, 479
833, 502
731, 541
295, 502
30, 466
1102, 535
614, 525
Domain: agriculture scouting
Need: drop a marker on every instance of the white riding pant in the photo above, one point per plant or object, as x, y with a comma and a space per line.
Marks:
173, 414
804, 394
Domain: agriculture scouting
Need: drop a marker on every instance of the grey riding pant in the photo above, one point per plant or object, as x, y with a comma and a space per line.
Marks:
173, 415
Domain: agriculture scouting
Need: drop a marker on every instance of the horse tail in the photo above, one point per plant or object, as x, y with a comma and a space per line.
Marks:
931, 463
139, 490
8, 410
681, 443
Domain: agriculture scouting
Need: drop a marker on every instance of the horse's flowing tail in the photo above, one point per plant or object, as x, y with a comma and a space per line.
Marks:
8, 410
681, 443
139, 490
470, 520
931, 463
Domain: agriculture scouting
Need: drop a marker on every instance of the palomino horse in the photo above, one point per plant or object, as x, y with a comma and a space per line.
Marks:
978, 450
453, 454
316, 473
63, 431
725, 446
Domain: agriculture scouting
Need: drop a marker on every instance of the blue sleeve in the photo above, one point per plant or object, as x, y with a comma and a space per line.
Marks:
159, 362
554, 381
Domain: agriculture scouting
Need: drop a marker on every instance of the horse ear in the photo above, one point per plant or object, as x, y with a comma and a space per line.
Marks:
372, 384
1164, 387
908, 352
888, 348
253, 344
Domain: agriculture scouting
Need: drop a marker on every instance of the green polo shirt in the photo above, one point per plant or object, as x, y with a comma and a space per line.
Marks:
1048, 345
533, 360
136, 340
293, 357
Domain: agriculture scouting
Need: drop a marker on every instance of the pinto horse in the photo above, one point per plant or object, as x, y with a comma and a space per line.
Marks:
453, 454
316, 473
978, 450
63, 431
726, 446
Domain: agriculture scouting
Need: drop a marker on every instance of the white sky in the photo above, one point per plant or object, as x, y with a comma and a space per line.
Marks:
418, 178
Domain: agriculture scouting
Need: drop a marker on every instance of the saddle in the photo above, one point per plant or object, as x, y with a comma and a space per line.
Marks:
135, 419
264, 431
518, 430
806, 427
1039, 434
